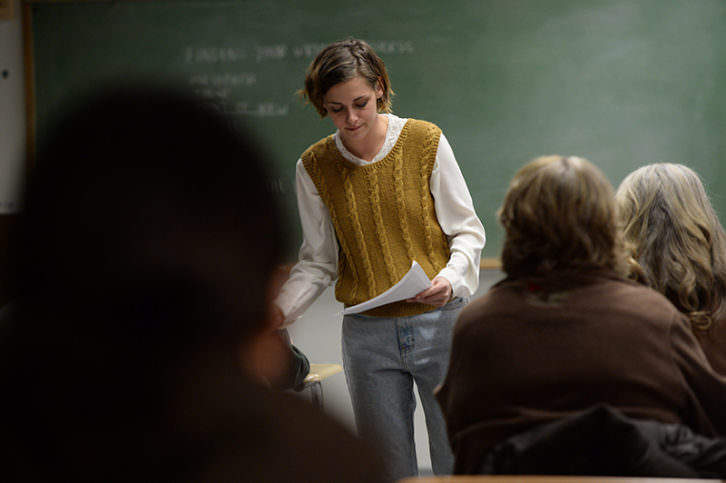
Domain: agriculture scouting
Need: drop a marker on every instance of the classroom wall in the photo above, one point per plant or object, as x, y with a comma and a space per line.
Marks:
12, 110
12, 132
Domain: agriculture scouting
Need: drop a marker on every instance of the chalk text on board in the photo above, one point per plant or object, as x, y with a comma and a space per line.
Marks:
214, 55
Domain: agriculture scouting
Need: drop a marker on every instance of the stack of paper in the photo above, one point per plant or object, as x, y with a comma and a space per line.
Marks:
411, 284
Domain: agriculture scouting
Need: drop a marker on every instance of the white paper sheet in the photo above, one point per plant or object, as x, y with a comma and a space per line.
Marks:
412, 283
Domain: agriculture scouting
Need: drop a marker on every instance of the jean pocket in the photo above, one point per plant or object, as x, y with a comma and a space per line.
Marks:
456, 303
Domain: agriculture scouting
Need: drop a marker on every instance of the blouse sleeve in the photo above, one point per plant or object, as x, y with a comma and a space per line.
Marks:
458, 220
317, 264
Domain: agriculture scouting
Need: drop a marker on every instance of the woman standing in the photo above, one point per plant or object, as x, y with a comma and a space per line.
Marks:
379, 193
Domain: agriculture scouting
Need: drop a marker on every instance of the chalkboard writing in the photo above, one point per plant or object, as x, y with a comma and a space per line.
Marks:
620, 82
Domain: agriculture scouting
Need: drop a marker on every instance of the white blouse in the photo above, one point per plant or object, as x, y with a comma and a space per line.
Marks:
317, 266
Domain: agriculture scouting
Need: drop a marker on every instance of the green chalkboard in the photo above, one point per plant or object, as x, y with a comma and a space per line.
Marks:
620, 82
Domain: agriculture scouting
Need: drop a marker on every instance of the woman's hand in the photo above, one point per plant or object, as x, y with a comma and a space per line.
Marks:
438, 294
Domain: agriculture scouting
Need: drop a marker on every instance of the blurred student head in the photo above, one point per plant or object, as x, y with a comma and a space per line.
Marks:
148, 218
673, 235
559, 213
145, 245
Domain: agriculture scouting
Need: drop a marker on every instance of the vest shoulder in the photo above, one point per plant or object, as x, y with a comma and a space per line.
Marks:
324, 143
423, 126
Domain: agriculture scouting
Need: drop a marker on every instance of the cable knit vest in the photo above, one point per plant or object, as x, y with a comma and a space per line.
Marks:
383, 214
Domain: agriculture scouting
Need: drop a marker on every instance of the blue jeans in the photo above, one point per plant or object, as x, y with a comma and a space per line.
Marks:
382, 358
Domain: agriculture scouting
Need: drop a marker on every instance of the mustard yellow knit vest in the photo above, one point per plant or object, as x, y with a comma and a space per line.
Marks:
383, 214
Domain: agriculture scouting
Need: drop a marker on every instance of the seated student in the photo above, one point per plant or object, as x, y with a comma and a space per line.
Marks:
565, 331
142, 260
678, 248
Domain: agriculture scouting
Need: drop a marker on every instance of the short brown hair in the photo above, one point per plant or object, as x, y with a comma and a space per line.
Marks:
560, 214
341, 61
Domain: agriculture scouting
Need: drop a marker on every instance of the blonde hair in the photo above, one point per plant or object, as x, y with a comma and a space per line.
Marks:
341, 61
675, 240
559, 213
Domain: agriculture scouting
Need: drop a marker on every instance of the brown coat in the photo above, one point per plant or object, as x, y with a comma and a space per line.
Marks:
713, 342
522, 356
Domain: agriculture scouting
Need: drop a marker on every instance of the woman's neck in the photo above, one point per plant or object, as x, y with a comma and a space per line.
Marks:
366, 148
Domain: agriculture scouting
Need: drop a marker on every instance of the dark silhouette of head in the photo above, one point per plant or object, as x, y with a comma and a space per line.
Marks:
142, 259
148, 217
